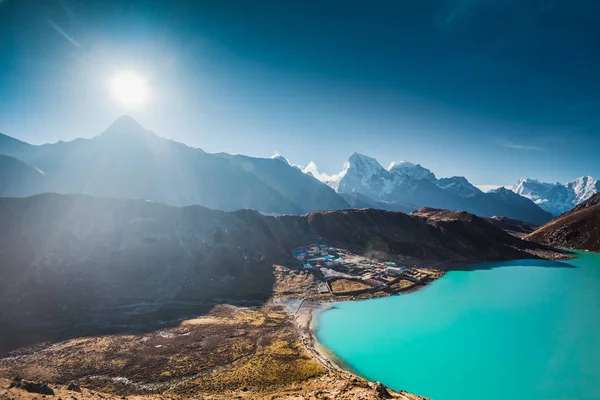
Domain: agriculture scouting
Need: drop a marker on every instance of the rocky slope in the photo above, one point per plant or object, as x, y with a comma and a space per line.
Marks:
576, 229
558, 198
89, 255
407, 183
474, 234
512, 226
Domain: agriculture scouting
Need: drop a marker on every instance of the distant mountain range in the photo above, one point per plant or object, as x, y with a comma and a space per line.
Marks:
558, 198
130, 161
405, 184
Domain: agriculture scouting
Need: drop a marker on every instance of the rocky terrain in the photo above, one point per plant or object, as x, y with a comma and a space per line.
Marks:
230, 353
476, 234
74, 258
97, 291
576, 229
512, 226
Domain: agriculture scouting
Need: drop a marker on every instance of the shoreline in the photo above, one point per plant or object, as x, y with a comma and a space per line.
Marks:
306, 318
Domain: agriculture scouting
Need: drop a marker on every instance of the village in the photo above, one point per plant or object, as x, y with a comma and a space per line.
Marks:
343, 273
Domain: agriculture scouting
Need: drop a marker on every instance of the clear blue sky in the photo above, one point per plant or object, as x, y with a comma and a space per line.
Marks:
492, 90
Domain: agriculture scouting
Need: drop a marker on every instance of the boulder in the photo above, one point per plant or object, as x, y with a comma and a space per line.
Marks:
381, 390
30, 386
73, 387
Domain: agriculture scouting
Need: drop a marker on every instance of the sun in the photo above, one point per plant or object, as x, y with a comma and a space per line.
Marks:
129, 88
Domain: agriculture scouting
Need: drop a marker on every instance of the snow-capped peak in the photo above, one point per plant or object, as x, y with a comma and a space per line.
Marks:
330, 180
367, 165
404, 164
414, 171
584, 188
528, 187
459, 185
557, 198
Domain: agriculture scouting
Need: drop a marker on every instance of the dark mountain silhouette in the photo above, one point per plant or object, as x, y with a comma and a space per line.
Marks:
298, 187
476, 233
130, 161
512, 226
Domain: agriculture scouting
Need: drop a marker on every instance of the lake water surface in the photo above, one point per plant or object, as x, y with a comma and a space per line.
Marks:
513, 330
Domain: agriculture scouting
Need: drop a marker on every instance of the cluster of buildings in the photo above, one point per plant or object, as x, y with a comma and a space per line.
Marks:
328, 264
316, 255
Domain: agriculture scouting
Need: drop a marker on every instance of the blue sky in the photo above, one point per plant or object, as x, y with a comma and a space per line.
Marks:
491, 90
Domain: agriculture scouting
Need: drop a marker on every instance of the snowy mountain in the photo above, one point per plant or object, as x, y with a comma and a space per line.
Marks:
330, 180
557, 198
413, 171
411, 184
365, 175
129, 161
459, 185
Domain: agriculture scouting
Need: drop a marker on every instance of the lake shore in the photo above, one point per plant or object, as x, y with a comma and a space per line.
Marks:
276, 339
306, 316
538, 276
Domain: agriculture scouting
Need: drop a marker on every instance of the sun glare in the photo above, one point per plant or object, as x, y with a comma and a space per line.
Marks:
129, 88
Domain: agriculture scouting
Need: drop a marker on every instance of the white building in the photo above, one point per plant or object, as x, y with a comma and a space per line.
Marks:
395, 270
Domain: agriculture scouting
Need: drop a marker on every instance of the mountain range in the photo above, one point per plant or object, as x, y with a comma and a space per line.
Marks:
129, 161
405, 185
558, 198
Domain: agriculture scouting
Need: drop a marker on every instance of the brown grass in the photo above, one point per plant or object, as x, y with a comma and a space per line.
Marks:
347, 285
293, 283
401, 284
230, 348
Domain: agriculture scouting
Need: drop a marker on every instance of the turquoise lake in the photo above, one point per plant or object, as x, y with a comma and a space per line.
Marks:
512, 330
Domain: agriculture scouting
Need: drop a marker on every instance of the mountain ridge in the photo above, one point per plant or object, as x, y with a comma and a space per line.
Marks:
126, 160
409, 183
557, 198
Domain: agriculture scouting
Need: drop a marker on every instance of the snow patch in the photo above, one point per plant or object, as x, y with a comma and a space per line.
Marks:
330, 180
487, 188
